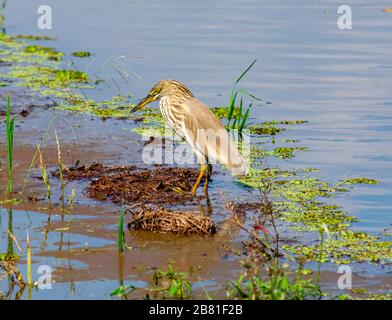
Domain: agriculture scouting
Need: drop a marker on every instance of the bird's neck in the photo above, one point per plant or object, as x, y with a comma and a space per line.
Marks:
170, 102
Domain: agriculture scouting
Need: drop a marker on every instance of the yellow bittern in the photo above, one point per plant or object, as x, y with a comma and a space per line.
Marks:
193, 121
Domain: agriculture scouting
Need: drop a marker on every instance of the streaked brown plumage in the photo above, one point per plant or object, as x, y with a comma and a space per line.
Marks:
192, 120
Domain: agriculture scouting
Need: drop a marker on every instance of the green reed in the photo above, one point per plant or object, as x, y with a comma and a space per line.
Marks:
9, 129
120, 235
239, 119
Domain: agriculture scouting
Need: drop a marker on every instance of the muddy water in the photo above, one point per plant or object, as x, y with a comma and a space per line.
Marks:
309, 69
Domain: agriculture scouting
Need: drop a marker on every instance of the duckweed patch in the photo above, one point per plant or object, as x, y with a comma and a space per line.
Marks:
304, 202
222, 112
71, 76
81, 54
48, 81
360, 181
265, 129
32, 37
45, 51
39, 68
272, 128
286, 152
346, 247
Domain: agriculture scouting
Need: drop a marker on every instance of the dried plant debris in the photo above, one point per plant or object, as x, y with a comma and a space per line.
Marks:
156, 186
160, 185
94, 170
166, 221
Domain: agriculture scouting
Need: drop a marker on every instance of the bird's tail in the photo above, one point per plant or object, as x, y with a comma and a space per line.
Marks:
239, 170
222, 148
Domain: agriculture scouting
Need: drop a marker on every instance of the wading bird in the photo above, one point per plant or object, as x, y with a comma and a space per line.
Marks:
193, 121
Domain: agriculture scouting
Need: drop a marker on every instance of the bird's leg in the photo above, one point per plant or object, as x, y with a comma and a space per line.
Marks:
201, 175
208, 176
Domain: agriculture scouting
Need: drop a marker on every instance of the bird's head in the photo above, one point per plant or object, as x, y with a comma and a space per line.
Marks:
164, 88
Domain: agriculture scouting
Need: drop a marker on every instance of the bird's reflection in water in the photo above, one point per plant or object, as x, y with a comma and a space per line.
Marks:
206, 207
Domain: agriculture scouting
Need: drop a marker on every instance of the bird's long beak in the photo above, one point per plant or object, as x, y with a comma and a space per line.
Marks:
142, 103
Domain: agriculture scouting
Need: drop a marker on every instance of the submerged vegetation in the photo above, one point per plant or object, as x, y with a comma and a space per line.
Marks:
171, 284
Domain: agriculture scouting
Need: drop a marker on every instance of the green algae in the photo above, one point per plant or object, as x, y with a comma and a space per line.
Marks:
116, 107
290, 141
271, 128
67, 76
265, 129
364, 294
286, 152
50, 53
98, 109
304, 202
32, 37
39, 68
43, 78
346, 247
280, 152
291, 122
81, 54
360, 181
222, 112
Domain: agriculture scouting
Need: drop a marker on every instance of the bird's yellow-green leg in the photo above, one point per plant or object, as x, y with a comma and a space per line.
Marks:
201, 175
208, 176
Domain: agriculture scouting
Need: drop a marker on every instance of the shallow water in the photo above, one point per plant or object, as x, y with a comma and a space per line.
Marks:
309, 69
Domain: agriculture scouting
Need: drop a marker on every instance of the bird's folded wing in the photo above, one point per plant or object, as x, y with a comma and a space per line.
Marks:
205, 133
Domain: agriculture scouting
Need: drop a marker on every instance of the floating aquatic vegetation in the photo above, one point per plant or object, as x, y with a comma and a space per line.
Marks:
286, 152
43, 79
359, 181
45, 51
81, 54
116, 107
222, 112
270, 128
300, 200
39, 68
32, 37
346, 247
66, 76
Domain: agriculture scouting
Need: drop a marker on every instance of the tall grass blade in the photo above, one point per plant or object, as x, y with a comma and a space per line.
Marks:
233, 98
9, 125
44, 173
234, 123
29, 276
120, 237
245, 119
240, 112
43, 142
246, 70
60, 166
